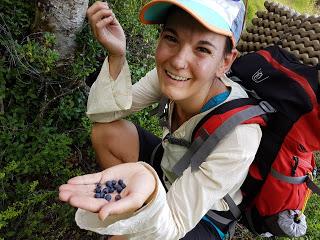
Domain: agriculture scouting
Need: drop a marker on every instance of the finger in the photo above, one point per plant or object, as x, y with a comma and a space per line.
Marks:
100, 15
87, 203
94, 8
101, 25
127, 204
65, 195
80, 189
86, 179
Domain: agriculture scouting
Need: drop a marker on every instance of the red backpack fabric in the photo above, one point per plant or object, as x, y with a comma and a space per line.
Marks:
280, 179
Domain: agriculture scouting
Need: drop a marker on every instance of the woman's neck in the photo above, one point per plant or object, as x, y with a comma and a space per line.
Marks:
187, 108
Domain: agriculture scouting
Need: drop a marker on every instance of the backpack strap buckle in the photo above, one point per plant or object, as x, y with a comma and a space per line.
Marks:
267, 107
312, 186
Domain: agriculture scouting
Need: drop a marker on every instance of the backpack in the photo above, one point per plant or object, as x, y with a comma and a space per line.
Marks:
286, 103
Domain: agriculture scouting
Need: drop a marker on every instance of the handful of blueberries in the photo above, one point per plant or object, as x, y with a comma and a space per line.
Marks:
111, 187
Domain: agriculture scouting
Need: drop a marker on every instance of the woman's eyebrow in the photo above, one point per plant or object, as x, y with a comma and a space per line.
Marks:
168, 29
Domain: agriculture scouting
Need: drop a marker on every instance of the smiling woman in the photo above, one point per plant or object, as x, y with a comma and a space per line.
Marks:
195, 49
190, 63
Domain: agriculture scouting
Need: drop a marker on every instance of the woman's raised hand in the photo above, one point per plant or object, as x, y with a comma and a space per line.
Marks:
140, 184
107, 29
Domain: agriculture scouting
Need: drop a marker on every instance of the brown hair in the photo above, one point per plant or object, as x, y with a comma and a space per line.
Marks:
228, 47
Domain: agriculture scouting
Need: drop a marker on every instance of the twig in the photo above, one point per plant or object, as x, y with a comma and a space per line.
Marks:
43, 108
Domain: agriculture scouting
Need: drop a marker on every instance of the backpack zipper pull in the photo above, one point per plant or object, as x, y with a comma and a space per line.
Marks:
295, 166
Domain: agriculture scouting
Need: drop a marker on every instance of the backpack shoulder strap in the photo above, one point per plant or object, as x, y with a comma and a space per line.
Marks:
223, 112
226, 127
226, 118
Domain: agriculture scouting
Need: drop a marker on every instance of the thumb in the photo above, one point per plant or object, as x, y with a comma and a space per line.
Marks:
128, 204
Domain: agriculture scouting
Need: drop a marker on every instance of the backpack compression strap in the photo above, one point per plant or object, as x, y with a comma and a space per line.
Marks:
296, 180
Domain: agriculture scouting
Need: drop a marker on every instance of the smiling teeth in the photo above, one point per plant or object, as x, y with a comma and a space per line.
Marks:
175, 77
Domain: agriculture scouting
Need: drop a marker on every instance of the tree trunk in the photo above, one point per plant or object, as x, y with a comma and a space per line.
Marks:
64, 18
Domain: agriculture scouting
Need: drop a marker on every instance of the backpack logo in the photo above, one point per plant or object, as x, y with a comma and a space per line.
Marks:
258, 76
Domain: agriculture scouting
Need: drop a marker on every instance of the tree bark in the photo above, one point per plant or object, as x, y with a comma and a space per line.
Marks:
64, 18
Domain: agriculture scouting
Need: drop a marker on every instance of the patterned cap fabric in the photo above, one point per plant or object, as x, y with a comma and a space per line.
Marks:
224, 17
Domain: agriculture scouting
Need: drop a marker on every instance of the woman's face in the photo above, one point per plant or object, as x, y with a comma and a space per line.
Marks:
188, 58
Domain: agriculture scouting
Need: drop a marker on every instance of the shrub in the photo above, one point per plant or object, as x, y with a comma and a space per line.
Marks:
44, 138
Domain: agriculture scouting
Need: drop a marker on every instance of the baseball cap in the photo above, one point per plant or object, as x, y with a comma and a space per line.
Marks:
225, 17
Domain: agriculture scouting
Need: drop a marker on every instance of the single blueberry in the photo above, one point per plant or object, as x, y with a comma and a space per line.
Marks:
122, 184
110, 190
108, 197
105, 190
118, 188
114, 182
109, 183
117, 197
97, 195
97, 190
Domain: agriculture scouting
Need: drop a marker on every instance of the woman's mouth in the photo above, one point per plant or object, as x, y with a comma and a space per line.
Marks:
176, 77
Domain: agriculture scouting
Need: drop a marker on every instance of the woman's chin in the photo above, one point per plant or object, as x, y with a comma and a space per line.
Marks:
173, 92
174, 96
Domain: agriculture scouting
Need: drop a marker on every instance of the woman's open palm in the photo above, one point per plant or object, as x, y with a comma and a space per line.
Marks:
80, 191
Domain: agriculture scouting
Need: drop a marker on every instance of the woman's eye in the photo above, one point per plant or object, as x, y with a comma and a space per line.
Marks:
170, 38
204, 50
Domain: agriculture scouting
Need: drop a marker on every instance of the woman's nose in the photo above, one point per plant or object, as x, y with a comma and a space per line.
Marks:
180, 58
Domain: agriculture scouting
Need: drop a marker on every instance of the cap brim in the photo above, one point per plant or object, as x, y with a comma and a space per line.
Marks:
155, 12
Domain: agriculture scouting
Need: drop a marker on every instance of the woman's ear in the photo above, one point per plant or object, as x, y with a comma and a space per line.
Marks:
227, 62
